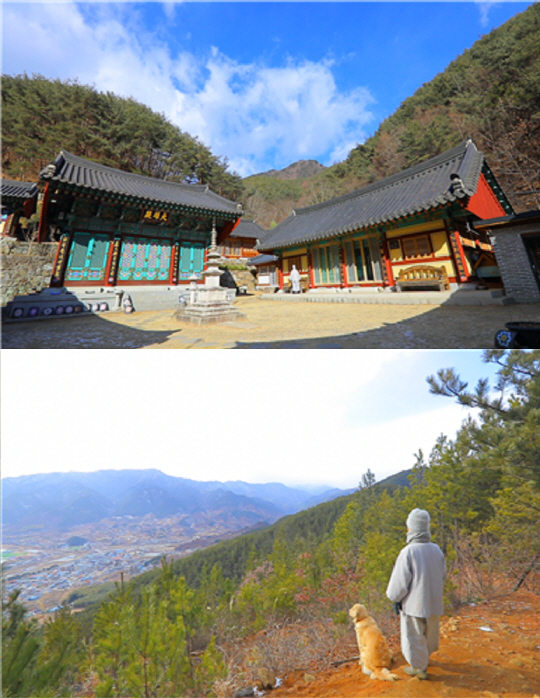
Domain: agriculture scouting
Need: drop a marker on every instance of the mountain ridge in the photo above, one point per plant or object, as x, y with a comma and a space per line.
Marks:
66, 500
491, 92
297, 170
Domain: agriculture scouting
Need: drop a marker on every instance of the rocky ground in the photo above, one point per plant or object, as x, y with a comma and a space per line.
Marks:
488, 650
284, 325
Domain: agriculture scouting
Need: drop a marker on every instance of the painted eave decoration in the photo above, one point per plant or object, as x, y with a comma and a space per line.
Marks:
449, 178
78, 174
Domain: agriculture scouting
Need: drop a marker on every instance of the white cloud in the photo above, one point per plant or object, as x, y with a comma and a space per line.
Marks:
256, 115
259, 419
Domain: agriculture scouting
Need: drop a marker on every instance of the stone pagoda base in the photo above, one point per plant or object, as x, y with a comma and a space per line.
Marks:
208, 305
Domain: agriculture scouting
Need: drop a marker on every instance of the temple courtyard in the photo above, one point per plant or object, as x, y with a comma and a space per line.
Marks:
281, 325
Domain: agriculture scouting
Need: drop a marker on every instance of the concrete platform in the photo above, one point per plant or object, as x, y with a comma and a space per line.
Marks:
457, 297
280, 325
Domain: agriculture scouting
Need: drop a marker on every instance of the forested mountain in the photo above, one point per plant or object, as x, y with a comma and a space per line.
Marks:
279, 597
40, 117
65, 500
491, 92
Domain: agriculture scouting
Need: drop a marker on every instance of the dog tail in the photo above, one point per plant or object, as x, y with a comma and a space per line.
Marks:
384, 675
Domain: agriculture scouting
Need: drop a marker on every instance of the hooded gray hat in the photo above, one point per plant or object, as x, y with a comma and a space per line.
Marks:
418, 525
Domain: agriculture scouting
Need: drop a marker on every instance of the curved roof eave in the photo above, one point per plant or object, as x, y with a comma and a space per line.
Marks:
71, 170
440, 181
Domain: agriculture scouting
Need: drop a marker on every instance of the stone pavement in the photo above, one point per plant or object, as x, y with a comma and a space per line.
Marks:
280, 326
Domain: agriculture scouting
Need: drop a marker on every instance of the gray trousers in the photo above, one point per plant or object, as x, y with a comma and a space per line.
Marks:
419, 638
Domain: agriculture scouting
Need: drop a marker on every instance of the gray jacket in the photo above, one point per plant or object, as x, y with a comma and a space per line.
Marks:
417, 580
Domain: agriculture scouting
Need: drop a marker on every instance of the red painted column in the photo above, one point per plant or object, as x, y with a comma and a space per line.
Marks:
280, 277
387, 264
311, 271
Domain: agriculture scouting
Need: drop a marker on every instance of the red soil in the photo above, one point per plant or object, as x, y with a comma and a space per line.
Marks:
471, 662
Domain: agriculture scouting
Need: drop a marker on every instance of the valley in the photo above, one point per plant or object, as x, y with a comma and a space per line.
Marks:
48, 569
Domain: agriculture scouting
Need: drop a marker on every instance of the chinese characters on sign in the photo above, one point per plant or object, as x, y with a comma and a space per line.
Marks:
156, 216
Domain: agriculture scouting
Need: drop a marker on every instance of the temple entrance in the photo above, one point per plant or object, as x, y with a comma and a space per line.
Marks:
191, 260
88, 258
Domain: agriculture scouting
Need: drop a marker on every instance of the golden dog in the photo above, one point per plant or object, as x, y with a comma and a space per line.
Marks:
375, 655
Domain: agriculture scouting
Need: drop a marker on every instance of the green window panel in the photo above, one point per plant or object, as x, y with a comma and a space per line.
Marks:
191, 260
88, 257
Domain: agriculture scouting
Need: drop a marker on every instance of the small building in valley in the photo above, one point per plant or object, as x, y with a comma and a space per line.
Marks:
413, 229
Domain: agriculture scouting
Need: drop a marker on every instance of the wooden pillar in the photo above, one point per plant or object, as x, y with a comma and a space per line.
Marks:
386, 266
311, 271
113, 261
43, 219
59, 267
457, 254
175, 255
342, 266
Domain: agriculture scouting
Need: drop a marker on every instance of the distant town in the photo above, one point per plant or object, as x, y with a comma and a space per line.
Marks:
48, 566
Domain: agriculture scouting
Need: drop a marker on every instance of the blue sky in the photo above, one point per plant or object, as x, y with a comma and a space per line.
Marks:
262, 84
286, 417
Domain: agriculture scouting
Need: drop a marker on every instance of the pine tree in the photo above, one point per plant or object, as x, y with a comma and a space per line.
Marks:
20, 648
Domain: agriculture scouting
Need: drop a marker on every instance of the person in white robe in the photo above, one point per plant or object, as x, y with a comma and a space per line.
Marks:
416, 588
294, 278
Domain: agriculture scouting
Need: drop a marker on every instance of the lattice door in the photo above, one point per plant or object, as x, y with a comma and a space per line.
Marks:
191, 260
144, 259
88, 257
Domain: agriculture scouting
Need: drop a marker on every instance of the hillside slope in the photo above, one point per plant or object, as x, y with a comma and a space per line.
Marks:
40, 117
487, 650
491, 92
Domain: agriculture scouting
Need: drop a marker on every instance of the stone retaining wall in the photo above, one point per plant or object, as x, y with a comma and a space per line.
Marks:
515, 265
244, 278
26, 267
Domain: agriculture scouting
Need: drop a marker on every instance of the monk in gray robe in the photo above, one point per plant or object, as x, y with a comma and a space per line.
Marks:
416, 588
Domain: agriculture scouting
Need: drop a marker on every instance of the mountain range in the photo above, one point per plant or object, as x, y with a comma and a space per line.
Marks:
491, 93
66, 500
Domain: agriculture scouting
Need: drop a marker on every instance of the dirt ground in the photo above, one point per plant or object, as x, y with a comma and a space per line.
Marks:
489, 650
279, 325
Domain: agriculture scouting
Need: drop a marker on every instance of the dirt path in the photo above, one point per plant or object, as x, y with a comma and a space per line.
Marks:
273, 325
491, 650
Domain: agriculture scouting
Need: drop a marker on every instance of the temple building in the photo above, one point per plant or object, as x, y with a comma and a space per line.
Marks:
116, 228
242, 241
19, 200
413, 229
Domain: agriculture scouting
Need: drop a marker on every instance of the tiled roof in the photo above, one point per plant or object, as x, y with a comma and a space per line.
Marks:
18, 190
88, 175
248, 229
438, 181
263, 259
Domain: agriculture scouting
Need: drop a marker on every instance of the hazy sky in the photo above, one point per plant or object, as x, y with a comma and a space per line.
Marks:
311, 417
262, 84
